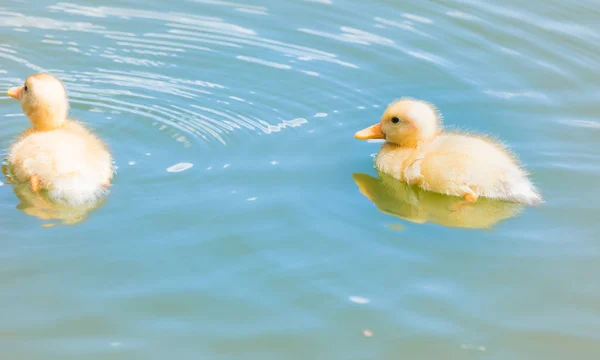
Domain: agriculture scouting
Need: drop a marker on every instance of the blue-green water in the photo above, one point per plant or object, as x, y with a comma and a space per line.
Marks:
267, 248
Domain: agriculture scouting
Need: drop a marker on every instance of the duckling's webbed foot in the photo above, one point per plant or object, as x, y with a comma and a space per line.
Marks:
470, 197
412, 173
34, 181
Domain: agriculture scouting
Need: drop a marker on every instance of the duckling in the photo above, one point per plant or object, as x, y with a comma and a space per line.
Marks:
419, 152
55, 154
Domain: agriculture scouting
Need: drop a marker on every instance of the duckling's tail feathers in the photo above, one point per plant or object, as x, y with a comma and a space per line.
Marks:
523, 192
76, 191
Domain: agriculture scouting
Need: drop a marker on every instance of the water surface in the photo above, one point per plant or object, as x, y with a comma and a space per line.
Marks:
280, 242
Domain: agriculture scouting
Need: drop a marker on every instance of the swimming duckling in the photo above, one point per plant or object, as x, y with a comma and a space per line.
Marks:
418, 152
56, 154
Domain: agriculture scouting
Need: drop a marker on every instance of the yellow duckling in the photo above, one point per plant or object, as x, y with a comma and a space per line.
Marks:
418, 152
55, 154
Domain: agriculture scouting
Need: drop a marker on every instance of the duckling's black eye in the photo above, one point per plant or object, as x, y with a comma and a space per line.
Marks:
395, 120
25, 88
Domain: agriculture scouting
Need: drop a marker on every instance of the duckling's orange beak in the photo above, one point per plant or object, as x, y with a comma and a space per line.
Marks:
372, 132
15, 92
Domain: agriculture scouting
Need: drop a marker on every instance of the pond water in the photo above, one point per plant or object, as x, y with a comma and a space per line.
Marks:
245, 221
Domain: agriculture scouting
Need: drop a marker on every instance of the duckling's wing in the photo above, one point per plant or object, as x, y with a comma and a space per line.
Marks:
49, 156
458, 164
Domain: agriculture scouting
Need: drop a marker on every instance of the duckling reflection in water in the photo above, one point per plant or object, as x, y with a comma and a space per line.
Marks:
40, 205
409, 202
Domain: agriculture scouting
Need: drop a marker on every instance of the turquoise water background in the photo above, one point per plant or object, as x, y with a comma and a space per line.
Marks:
281, 242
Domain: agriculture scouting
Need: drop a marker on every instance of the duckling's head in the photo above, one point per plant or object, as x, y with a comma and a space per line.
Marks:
44, 100
406, 122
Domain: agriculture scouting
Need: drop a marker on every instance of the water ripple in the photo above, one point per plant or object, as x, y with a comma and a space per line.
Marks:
188, 108
124, 91
263, 62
